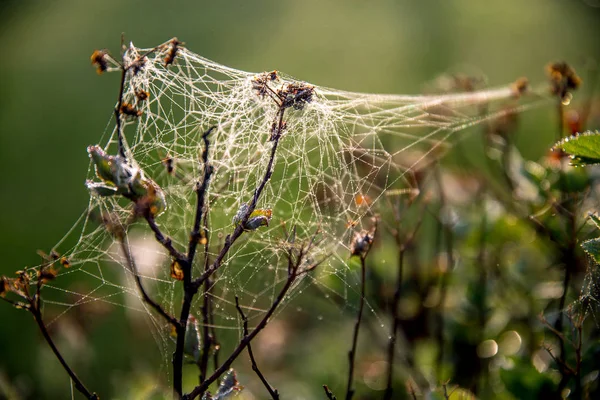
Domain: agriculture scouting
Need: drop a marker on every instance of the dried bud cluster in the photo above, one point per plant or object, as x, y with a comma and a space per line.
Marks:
563, 78
287, 94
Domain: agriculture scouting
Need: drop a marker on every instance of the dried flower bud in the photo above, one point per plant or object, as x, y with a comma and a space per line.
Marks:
361, 243
176, 271
257, 218
99, 59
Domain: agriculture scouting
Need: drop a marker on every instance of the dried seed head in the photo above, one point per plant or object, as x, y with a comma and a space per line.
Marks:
361, 243
99, 59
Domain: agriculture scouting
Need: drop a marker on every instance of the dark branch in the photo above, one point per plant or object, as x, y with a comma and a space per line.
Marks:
395, 325
190, 289
201, 188
121, 141
244, 342
230, 239
273, 392
165, 241
133, 268
328, 393
35, 309
352, 352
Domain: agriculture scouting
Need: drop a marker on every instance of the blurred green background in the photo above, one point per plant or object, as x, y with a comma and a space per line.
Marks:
52, 105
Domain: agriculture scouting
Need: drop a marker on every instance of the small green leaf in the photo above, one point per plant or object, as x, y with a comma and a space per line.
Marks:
595, 219
592, 247
583, 148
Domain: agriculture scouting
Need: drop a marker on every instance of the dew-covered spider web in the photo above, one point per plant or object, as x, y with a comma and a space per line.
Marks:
339, 155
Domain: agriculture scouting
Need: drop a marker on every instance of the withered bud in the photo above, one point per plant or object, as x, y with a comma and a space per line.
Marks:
520, 86
65, 262
176, 271
563, 78
172, 52
47, 274
99, 59
361, 243
129, 109
142, 95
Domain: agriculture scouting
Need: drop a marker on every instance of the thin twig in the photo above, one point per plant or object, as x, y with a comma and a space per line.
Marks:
396, 325
328, 393
273, 392
201, 188
120, 139
199, 232
199, 390
352, 352
133, 268
42, 326
166, 242
190, 289
444, 228
230, 239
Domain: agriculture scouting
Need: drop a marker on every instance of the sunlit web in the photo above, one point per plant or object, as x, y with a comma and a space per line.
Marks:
339, 155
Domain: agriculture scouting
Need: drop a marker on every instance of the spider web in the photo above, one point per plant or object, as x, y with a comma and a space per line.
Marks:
339, 155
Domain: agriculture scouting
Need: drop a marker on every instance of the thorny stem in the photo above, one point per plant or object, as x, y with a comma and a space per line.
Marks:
35, 310
352, 352
273, 392
133, 268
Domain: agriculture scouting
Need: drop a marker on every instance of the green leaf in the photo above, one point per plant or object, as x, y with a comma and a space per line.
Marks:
592, 247
583, 148
595, 219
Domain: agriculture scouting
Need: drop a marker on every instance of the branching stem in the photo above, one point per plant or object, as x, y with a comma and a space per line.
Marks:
273, 392
133, 268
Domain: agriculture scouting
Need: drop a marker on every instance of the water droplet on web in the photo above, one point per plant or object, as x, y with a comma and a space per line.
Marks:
320, 318
299, 309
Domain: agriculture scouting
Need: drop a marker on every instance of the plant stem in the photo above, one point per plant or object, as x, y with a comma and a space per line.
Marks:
200, 389
352, 352
395, 326
78, 384
133, 268
273, 392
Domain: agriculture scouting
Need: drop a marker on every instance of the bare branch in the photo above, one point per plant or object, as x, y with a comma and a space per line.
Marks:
273, 392
328, 393
133, 268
